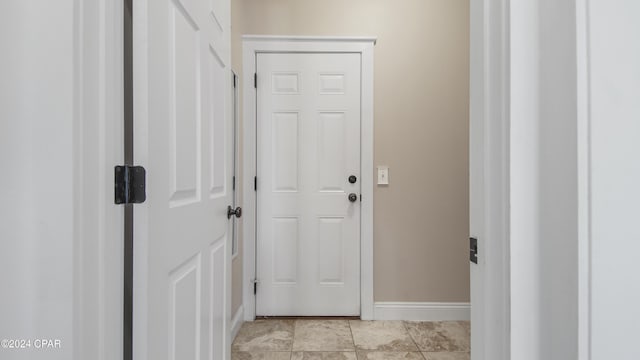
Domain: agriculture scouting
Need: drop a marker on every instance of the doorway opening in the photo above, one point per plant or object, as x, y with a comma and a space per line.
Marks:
321, 183
308, 199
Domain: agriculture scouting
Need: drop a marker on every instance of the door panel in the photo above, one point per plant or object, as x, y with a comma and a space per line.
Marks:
217, 102
285, 250
184, 88
308, 232
330, 250
183, 137
284, 138
184, 309
332, 146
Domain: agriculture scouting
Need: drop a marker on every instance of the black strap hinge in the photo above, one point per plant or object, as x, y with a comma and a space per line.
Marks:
129, 184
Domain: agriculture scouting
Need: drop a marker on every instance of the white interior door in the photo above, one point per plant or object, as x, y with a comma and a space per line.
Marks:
183, 136
308, 145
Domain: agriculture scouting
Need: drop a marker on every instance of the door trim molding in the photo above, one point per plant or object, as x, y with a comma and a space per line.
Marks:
251, 46
236, 323
98, 145
489, 116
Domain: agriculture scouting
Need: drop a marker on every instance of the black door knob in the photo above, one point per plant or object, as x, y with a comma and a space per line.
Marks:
231, 211
353, 179
353, 197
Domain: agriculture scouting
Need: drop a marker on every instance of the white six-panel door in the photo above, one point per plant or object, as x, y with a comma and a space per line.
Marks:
308, 144
183, 136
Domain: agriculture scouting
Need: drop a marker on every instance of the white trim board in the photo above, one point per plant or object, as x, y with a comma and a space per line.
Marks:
236, 323
422, 311
252, 45
98, 145
352, 39
489, 106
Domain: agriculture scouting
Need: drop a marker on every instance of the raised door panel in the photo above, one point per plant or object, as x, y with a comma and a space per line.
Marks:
184, 106
332, 147
217, 281
285, 250
284, 142
217, 123
184, 311
285, 83
332, 84
330, 251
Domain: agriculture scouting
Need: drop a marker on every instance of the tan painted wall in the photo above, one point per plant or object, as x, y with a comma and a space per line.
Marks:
421, 130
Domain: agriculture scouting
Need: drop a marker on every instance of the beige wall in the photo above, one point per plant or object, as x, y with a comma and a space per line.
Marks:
421, 96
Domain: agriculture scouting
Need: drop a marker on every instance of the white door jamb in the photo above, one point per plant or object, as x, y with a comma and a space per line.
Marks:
490, 120
252, 45
98, 145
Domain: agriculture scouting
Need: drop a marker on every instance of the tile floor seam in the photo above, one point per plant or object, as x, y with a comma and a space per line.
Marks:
353, 340
293, 337
404, 324
335, 351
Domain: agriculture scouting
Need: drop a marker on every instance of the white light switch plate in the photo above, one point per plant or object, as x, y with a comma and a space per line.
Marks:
383, 175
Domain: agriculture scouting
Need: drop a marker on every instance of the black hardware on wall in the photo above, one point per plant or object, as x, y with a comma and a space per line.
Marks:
473, 250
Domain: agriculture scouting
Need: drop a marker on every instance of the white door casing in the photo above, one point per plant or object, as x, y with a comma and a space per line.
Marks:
182, 136
308, 145
476, 183
489, 181
253, 45
477, 205
61, 131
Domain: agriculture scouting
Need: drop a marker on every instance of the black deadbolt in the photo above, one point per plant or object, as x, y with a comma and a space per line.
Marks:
353, 179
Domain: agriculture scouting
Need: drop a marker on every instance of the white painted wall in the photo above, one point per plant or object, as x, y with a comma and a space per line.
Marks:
36, 211
544, 178
575, 125
614, 69
60, 135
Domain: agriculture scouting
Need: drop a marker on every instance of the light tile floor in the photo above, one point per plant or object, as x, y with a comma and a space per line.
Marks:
351, 340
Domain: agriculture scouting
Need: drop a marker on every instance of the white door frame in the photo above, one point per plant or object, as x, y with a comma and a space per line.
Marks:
252, 45
97, 147
504, 89
489, 118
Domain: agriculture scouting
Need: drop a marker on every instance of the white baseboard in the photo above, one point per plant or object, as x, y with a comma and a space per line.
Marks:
236, 322
421, 311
